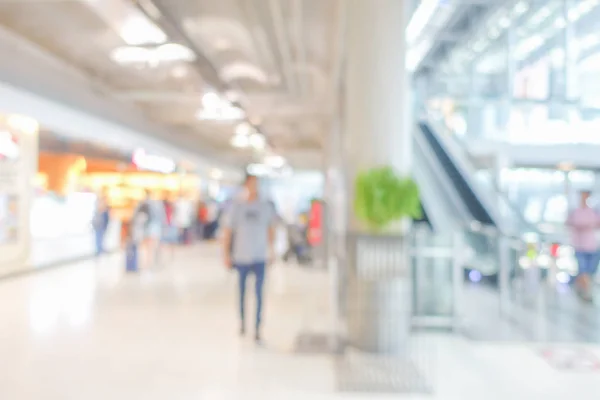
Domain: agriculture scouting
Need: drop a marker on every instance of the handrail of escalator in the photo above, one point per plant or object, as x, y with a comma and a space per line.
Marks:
458, 146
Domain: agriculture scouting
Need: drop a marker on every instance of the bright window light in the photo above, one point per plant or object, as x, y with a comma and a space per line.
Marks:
139, 30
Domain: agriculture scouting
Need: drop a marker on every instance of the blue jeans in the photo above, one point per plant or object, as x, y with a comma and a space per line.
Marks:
99, 234
258, 269
587, 262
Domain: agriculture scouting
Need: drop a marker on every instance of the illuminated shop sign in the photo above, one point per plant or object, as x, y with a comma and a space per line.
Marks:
151, 162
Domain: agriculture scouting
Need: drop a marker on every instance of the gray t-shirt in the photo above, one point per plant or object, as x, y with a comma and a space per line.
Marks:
249, 223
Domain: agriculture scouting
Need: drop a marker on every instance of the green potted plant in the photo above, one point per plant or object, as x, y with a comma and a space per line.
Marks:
383, 198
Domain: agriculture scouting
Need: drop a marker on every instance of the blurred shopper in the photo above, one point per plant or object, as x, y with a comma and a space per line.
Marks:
583, 222
100, 223
170, 231
201, 219
151, 216
213, 214
248, 245
183, 218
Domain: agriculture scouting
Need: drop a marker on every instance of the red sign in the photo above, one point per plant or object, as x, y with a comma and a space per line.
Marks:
315, 223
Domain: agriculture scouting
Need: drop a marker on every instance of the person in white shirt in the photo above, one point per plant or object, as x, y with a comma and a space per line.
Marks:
183, 216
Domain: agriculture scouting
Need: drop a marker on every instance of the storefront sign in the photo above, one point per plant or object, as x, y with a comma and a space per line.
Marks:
151, 162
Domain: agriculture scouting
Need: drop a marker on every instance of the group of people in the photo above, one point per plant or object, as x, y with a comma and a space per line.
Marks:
158, 224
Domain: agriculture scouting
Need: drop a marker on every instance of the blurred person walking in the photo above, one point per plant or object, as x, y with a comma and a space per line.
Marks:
100, 223
183, 218
150, 216
248, 238
170, 231
584, 221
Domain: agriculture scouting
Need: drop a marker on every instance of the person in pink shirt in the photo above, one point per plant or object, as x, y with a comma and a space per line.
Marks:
583, 222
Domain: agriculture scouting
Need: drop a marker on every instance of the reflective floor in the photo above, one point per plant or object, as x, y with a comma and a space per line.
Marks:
88, 331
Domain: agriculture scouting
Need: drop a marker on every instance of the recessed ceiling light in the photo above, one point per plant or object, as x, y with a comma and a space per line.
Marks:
243, 129
240, 141
180, 71
257, 141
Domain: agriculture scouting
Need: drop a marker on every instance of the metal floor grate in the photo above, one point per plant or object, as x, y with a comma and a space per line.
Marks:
369, 373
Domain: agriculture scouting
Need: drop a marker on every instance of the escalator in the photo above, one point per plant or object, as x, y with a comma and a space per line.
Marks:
463, 187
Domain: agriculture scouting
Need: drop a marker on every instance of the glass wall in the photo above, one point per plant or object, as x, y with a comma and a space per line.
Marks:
528, 74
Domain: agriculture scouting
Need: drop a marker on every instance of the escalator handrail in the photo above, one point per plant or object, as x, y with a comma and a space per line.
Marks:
465, 221
458, 146
444, 216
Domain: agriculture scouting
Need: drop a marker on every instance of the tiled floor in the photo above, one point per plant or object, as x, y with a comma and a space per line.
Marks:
89, 331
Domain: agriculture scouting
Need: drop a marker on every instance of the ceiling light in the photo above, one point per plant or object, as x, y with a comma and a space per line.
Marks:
504, 22
138, 30
221, 114
169, 52
218, 109
240, 141
560, 23
180, 71
257, 141
174, 52
275, 161
211, 100
521, 8
258, 170
130, 55
243, 129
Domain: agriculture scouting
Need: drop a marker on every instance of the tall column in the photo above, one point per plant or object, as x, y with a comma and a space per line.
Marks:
377, 124
377, 120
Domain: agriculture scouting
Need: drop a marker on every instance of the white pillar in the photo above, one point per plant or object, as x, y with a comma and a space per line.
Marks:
377, 120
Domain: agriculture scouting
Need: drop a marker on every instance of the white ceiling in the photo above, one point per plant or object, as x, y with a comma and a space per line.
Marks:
275, 57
